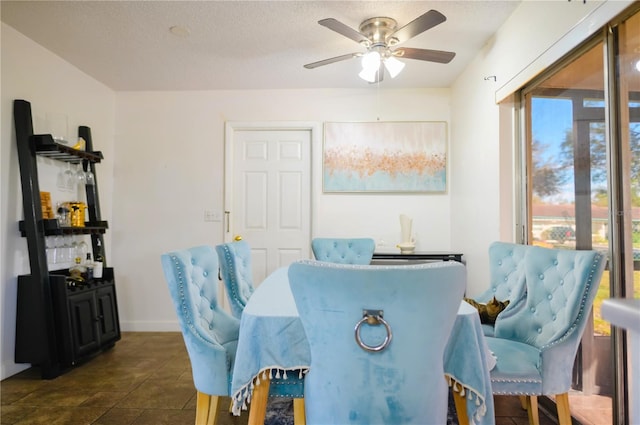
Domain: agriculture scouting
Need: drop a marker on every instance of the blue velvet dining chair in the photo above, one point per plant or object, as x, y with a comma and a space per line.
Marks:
210, 334
377, 336
343, 250
236, 273
535, 345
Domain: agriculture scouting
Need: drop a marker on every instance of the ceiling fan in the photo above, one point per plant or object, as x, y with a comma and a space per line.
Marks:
379, 36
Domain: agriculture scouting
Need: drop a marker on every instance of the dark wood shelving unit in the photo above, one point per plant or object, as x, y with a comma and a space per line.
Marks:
52, 228
58, 326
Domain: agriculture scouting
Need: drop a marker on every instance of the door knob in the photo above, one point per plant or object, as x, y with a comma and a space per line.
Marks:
237, 238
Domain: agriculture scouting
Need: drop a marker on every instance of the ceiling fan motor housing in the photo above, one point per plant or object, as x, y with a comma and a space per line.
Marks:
378, 30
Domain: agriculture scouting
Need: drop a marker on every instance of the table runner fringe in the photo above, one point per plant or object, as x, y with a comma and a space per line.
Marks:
243, 395
470, 393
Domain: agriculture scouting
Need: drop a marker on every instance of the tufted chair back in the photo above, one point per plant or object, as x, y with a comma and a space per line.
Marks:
506, 268
400, 384
535, 345
210, 334
561, 286
507, 280
236, 273
343, 251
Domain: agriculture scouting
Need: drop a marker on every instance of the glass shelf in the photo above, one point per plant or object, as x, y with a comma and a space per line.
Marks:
47, 147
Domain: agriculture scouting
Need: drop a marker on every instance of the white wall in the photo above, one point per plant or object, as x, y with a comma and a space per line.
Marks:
169, 169
536, 34
32, 73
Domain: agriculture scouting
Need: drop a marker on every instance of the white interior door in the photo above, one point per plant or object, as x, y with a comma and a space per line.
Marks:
268, 197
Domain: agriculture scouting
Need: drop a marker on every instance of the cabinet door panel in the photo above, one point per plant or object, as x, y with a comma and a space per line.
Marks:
83, 322
108, 320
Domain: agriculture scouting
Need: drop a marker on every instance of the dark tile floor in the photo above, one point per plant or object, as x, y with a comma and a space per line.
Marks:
144, 379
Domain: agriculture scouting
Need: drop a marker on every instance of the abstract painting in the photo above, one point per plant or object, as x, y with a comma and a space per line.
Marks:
385, 157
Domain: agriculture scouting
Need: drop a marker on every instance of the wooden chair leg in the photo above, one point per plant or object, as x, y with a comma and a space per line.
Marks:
532, 410
461, 408
206, 409
258, 404
299, 417
523, 401
564, 413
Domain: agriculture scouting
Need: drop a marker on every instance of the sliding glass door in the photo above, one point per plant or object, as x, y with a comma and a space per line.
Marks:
582, 177
568, 189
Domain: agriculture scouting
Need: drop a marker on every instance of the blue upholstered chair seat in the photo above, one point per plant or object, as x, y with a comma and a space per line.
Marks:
292, 387
516, 371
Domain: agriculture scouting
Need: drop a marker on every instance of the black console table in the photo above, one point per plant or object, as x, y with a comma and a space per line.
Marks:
419, 256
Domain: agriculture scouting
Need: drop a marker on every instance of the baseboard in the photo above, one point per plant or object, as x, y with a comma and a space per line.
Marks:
10, 369
144, 326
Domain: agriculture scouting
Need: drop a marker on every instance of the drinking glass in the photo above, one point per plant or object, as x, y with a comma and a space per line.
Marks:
73, 249
58, 255
49, 243
70, 178
61, 249
90, 179
81, 177
69, 249
61, 180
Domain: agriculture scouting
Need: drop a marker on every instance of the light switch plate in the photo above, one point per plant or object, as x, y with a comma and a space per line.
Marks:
212, 215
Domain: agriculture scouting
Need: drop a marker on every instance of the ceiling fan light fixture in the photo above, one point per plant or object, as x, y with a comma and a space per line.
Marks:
370, 66
369, 75
371, 60
394, 66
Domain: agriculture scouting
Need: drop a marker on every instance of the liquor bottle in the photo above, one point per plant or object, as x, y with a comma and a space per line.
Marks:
89, 266
98, 262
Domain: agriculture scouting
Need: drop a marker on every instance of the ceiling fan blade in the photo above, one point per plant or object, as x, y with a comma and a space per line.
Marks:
340, 28
439, 56
331, 60
419, 25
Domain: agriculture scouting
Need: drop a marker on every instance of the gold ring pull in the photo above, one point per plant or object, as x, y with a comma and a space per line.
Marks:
373, 318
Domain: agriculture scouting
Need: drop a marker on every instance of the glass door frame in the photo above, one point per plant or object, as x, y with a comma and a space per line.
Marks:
620, 224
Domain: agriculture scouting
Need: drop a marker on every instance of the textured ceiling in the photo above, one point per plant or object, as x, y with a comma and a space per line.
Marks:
127, 45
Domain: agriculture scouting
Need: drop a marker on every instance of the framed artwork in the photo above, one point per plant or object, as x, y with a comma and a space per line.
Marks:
385, 157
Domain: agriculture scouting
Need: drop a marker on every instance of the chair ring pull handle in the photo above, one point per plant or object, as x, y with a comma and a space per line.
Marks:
373, 317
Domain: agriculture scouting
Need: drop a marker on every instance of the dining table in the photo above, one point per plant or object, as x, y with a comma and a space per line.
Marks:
272, 345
